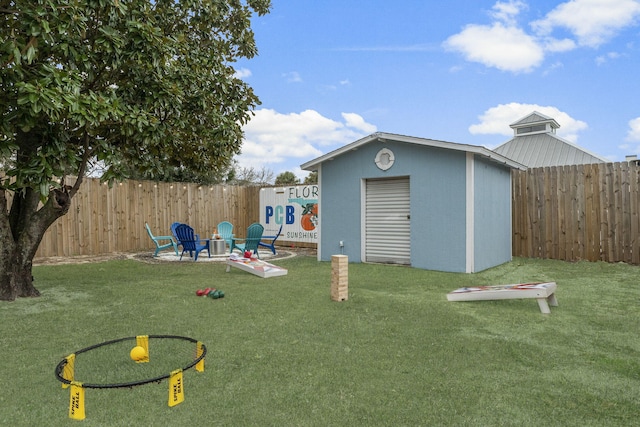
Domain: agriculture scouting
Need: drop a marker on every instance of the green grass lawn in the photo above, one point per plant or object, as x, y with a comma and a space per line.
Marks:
281, 353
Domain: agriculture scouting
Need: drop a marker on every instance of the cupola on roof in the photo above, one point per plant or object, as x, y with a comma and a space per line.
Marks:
534, 123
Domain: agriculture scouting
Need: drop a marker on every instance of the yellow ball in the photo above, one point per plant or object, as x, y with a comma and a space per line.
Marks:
138, 353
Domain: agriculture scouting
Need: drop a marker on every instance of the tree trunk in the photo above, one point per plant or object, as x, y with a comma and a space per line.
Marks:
16, 280
21, 231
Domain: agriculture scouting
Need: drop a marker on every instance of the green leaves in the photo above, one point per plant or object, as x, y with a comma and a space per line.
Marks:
144, 86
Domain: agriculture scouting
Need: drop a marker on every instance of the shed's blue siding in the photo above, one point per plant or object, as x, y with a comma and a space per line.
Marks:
437, 190
437, 208
492, 214
340, 208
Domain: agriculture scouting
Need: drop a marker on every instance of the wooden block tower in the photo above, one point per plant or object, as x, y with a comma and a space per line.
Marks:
339, 277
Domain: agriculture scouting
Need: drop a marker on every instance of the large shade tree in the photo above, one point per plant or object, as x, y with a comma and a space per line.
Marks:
138, 85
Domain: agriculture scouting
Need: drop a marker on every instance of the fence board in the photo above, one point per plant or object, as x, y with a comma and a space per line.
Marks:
626, 211
596, 219
561, 234
572, 221
554, 203
534, 216
589, 214
617, 203
635, 218
580, 212
518, 209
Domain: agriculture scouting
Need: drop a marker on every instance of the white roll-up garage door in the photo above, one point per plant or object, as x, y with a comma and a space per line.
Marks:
388, 221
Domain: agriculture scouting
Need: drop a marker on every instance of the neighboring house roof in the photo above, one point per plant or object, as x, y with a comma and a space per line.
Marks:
535, 144
382, 136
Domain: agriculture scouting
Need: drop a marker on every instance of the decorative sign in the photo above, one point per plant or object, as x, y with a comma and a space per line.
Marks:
295, 208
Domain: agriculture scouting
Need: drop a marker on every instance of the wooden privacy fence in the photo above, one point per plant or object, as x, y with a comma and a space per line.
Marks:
105, 220
584, 212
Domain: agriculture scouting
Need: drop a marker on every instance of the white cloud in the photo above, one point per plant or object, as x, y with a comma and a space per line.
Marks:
552, 67
496, 120
273, 138
292, 77
507, 12
242, 73
356, 121
555, 45
634, 130
327, 88
507, 48
593, 22
606, 57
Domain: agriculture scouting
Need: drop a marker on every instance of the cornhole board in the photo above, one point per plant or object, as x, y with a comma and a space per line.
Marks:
543, 292
255, 266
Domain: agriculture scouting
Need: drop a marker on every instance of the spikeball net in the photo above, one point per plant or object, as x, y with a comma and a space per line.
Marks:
130, 362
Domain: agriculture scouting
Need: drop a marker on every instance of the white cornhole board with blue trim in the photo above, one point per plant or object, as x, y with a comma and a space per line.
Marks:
255, 266
543, 292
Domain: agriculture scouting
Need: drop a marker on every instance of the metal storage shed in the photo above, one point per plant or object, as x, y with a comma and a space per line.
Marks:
430, 204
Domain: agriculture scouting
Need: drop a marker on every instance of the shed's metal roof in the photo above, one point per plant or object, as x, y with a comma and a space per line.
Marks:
382, 136
546, 149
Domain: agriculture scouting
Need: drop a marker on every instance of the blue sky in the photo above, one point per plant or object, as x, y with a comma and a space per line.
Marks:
330, 72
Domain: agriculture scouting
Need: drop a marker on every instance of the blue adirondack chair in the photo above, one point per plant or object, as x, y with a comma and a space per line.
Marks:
272, 245
251, 242
161, 242
173, 228
175, 236
225, 230
190, 243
